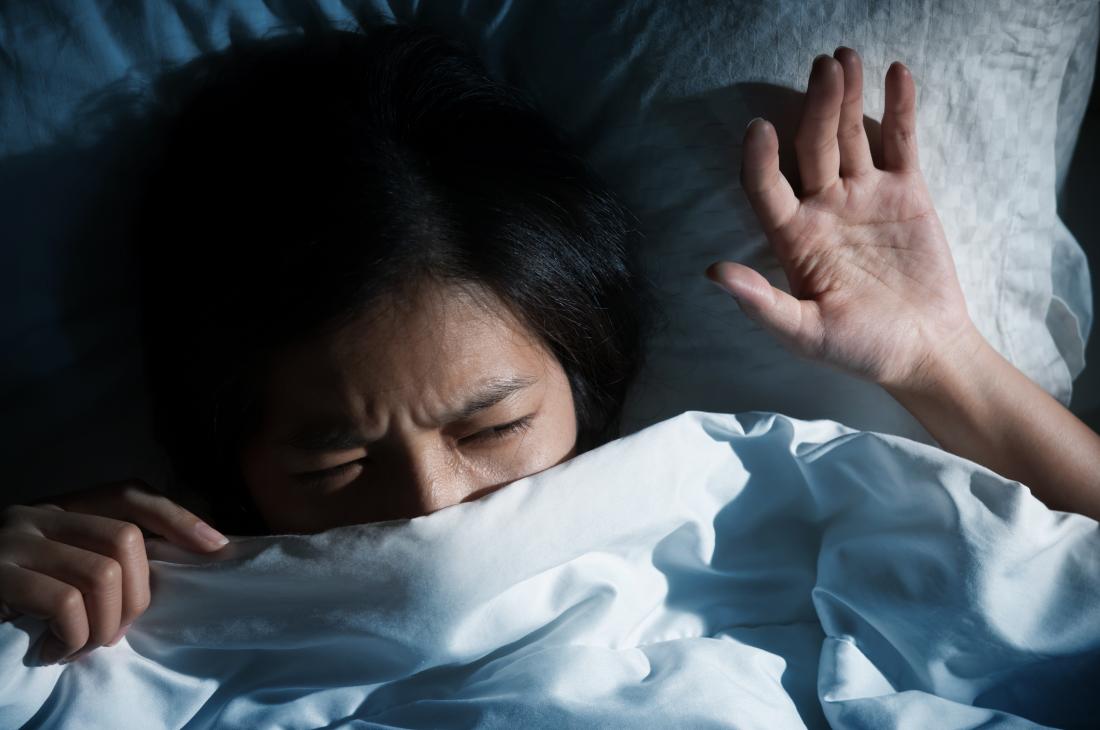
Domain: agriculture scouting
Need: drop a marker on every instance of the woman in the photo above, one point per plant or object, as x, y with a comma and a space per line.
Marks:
401, 292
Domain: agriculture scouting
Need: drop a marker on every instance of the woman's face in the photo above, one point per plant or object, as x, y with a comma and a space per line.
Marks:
413, 407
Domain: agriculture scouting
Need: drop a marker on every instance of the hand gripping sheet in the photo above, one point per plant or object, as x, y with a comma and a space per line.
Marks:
710, 571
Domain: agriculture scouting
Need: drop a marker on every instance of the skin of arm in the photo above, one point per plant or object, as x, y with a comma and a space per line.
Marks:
980, 406
875, 294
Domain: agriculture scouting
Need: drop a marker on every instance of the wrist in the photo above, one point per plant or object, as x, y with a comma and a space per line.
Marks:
949, 362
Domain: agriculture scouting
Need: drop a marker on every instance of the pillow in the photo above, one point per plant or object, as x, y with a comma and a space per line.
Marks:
989, 159
655, 94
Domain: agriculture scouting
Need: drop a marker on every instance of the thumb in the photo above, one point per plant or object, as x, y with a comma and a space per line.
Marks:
174, 523
795, 322
136, 502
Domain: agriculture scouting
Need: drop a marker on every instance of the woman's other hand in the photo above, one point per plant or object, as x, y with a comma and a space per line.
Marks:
876, 294
874, 287
78, 561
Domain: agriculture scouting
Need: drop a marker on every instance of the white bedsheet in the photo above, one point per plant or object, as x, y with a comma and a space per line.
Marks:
709, 571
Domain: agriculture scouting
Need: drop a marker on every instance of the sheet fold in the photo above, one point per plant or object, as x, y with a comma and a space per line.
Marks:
713, 570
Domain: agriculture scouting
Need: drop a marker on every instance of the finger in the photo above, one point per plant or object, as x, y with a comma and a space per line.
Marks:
176, 524
112, 539
137, 502
795, 322
816, 139
768, 191
96, 577
41, 596
899, 121
855, 150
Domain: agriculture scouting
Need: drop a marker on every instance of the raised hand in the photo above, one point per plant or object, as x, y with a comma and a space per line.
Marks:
874, 286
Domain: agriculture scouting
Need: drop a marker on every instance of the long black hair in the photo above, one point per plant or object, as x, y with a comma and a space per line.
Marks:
302, 176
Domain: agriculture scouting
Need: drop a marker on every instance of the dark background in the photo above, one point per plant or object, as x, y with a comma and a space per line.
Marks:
1079, 207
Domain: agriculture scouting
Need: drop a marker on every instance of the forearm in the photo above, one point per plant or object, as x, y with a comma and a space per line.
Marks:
978, 405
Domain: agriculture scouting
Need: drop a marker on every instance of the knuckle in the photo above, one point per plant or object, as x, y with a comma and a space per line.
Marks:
755, 191
106, 572
805, 139
904, 135
69, 601
133, 488
136, 604
141, 607
166, 503
851, 130
755, 182
127, 538
176, 513
815, 144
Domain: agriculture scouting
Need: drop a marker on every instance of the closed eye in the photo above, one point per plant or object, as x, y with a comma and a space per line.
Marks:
499, 432
322, 475
491, 434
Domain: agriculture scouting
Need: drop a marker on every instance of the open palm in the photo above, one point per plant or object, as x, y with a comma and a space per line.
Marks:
874, 287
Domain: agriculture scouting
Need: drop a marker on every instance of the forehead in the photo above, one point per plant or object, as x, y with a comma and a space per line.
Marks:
421, 352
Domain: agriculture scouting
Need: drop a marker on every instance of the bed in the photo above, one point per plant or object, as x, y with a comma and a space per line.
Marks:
811, 561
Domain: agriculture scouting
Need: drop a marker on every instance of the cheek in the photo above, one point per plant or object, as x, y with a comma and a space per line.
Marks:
551, 440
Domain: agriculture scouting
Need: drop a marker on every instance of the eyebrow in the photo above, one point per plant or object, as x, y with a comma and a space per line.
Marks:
327, 436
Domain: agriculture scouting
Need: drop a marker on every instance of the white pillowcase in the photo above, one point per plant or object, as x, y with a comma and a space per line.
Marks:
681, 80
656, 94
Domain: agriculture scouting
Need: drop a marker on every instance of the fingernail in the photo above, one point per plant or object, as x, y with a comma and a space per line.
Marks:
118, 638
210, 535
819, 66
753, 121
723, 287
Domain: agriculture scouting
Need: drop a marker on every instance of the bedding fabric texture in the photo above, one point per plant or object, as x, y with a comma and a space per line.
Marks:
655, 94
749, 571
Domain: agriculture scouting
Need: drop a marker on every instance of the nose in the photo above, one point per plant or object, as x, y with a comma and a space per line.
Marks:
430, 481
484, 491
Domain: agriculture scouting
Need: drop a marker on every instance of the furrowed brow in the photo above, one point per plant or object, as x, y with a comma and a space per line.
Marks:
488, 395
325, 438
337, 437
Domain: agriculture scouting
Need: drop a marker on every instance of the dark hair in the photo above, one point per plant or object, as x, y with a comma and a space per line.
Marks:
305, 175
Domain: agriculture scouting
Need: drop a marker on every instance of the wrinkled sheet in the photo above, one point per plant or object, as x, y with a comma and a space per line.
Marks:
710, 571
